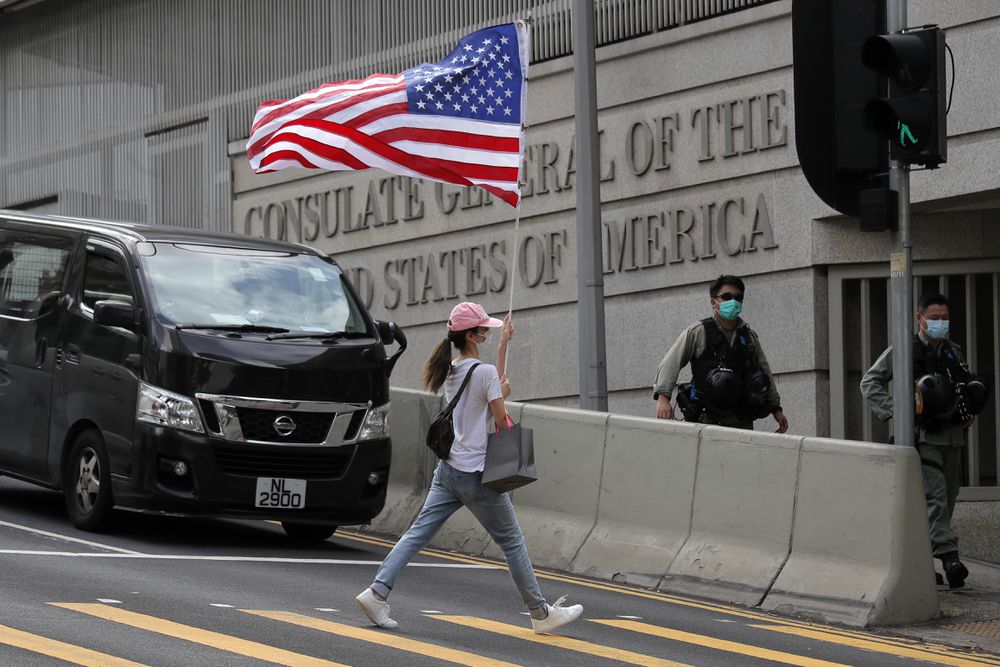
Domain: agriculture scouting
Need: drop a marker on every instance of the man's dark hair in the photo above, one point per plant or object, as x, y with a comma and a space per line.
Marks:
713, 291
931, 299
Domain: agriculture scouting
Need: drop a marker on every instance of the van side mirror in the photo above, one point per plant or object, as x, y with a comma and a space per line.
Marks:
385, 331
115, 314
390, 332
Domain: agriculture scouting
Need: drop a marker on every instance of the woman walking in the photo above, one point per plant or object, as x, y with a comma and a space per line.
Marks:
458, 479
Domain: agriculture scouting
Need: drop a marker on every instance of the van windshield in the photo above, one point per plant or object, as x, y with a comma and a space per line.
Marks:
208, 286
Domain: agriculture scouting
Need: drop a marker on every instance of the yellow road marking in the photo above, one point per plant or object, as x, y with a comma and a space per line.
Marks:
197, 635
958, 660
382, 639
718, 644
377, 541
57, 649
834, 635
557, 641
847, 637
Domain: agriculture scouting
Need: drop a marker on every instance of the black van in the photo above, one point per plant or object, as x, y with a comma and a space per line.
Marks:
180, 371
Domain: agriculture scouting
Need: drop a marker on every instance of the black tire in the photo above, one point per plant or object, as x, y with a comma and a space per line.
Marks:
308, 532
87, 483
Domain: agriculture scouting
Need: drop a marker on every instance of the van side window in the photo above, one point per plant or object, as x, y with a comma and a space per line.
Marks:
31, 269
104, 278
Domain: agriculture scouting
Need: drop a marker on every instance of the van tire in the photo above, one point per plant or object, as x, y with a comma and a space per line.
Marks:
87, 483
307, 532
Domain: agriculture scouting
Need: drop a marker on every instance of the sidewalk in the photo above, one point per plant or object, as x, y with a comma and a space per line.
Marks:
970, 616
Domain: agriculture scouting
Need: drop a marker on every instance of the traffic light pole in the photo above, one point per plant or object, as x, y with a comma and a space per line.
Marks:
901, 280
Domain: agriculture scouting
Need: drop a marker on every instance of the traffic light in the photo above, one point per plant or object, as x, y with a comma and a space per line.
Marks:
840, 157
912, 117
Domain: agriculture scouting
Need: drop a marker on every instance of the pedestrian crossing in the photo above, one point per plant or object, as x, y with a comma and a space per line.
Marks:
351, 641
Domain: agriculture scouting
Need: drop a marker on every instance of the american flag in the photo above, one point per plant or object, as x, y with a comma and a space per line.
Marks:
458, 121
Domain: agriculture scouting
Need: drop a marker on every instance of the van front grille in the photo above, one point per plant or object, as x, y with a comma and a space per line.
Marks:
310, 427
252, 461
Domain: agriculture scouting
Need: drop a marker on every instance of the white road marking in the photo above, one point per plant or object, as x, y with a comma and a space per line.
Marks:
109, 601
631, 618
67, 538
326, 609
219, 604
430, 611
243, 559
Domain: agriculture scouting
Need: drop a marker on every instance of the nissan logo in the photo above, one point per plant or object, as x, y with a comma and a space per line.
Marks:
284, 426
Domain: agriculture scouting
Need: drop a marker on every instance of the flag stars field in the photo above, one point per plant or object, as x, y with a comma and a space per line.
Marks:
458, 121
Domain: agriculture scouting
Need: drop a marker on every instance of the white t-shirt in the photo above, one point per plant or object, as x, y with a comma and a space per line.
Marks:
472, 416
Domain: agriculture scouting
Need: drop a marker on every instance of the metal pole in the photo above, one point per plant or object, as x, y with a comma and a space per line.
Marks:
901, 281
590, 275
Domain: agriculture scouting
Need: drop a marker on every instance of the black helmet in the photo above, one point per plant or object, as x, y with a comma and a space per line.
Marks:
757, 387
722, 389
974, 393
935, 398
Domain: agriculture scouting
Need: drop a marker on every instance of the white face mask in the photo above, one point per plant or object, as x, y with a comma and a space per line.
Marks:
486, 338
937, 329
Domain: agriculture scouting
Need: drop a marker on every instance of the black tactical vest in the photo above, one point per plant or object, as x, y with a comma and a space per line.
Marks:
943, 361
928, 361
718, 352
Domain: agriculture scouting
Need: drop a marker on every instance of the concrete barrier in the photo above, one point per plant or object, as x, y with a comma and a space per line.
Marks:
412, 464
558, 512
860, 549
741, 528
831, 529
646, 498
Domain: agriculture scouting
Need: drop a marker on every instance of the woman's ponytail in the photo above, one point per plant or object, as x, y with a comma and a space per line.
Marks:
439, 363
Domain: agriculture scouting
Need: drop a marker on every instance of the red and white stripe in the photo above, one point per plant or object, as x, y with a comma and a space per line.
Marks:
360, 124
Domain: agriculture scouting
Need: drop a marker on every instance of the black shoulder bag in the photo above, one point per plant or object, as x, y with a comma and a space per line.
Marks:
441, 433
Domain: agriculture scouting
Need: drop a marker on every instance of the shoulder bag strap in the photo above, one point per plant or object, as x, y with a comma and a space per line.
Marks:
465, 382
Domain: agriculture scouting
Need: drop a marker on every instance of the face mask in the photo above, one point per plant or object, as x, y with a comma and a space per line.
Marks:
937, 329
486, 338
730, 310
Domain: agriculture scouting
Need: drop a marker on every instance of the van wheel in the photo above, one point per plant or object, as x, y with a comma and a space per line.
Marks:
87, 483
307, 532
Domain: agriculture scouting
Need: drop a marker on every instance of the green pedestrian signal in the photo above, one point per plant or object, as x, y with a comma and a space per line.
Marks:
904, 133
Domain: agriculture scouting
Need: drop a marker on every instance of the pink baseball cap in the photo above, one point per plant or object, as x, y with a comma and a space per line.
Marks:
468, 315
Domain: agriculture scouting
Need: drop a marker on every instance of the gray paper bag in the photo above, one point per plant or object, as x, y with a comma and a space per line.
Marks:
510, 458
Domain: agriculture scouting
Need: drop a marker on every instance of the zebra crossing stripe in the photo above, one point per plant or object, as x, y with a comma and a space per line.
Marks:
53, 648
567, 643
389, 639
717, 644
197, 635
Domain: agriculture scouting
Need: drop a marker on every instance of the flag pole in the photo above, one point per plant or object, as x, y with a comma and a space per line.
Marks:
513, 272
517, 210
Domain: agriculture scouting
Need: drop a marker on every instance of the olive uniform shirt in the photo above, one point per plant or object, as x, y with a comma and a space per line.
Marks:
875, 389
690, 345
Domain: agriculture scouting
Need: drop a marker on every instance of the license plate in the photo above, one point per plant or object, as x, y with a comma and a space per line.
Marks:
280, 492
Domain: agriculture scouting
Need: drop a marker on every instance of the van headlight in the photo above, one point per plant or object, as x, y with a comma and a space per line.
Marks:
376, 424
165, 408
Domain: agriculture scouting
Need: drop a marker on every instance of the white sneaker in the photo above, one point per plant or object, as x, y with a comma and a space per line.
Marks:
558, 617
376, 610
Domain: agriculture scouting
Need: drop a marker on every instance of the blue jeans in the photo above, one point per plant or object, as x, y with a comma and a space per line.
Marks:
449, 490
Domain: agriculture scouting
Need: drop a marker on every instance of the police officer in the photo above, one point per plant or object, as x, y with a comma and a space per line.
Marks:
731, 381
937, 368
